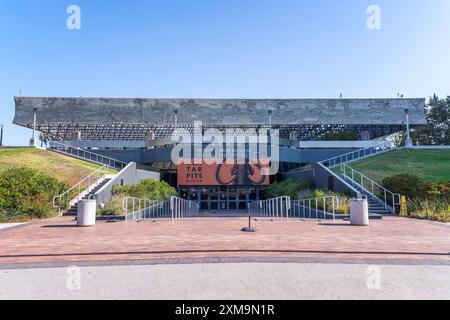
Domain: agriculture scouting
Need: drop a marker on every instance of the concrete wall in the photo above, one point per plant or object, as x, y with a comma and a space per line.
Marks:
129, 175
219, 111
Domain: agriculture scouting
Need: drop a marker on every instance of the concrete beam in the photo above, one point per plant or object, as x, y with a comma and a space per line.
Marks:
219, 111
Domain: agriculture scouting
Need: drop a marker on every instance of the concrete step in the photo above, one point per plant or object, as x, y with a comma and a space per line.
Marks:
74, 209
379, 211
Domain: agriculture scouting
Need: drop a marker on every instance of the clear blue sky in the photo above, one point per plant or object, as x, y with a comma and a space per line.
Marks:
221, 49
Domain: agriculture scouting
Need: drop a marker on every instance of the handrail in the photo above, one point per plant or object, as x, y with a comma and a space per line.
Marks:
356, 155
301, 169
136, 209
85, 154
373, 185
306, 208
79, 187
275, 208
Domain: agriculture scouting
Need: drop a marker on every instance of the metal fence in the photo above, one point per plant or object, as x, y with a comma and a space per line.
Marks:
382, 147
276, 208
87, 155
137, 209
283, 208
315, 208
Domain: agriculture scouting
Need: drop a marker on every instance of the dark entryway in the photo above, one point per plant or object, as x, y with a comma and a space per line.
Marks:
225, 198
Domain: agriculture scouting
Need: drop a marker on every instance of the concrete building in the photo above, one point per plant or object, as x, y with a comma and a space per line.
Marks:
140, 130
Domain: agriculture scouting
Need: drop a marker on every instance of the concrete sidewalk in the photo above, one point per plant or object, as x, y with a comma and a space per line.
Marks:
229, 281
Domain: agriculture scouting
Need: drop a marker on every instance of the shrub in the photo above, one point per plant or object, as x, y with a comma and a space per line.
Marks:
342, 136
413, 188
426, 201
145, 189
289, 188
343, 205
436, 210
439, 190
27, 193
406, 184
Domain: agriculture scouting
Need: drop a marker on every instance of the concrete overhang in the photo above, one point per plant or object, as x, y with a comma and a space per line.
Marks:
218, 111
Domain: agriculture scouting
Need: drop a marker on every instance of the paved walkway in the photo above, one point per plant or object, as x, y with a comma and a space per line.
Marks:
229, 281
9, 225
58, 242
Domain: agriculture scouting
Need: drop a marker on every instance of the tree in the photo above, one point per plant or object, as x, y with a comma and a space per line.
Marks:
438, 120
437, 129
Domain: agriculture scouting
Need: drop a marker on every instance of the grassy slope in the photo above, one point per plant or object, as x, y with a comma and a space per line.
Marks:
429, 165
63, 168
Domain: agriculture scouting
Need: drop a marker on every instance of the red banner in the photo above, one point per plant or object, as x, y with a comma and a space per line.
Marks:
222, 175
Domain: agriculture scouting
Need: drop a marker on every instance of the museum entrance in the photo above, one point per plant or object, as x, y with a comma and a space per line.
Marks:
224, 198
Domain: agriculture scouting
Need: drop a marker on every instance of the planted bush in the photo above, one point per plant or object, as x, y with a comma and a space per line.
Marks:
26, 194
426, 200
436, 210
406, 184
146, 189
289, 188
342, 136
413, 188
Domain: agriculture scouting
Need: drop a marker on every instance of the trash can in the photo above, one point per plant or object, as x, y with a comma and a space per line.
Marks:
87, 212
359, 212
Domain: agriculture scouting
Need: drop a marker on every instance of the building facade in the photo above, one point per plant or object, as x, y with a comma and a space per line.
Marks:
142, 131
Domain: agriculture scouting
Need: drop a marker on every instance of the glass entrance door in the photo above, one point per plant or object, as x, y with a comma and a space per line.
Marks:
223, 199
226, 198
232, 198
214, 198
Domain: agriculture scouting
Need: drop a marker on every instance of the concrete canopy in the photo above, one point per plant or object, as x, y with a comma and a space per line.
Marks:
218, 111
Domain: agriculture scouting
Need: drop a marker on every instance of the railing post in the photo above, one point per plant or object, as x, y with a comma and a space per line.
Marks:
334, 208
325, 208
393, 204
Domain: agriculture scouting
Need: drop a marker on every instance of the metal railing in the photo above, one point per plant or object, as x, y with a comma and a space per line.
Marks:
302, 169
360, 154
137, 209
276, 208
75, 193
315, 208
87, 155
372, 189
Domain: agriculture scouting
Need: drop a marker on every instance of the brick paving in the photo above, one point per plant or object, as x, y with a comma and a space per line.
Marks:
58, 242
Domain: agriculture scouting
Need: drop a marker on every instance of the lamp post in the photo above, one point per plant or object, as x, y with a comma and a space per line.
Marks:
33, 138
270, 122
1, 134
408, 142
176, 118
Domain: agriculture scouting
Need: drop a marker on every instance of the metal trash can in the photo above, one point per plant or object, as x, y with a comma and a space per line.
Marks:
359, 212
87, 212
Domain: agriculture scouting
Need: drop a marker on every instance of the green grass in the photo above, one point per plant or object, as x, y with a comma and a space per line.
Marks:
63, 168
428, 165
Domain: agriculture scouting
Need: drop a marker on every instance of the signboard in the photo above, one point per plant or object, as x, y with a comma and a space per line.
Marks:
222, 175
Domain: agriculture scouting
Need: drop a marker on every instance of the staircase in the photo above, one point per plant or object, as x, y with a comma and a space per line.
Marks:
84, 189
377, 208
73, 210
381, 200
